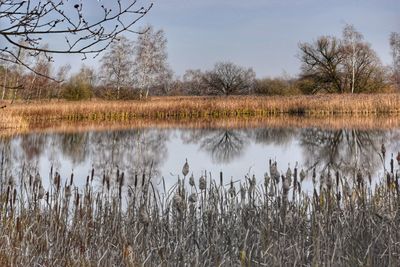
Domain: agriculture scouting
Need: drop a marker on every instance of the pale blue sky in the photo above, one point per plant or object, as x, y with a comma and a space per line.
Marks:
263, 34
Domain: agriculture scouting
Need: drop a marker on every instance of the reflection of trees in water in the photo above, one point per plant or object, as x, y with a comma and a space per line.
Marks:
134, 151
344, 150
223, 145
32, 145
73, 146
138, 151
276, 136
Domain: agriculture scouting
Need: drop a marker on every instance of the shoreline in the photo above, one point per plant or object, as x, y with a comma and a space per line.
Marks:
325, 111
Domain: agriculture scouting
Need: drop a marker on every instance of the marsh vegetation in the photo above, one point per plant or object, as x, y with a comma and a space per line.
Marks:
200, 220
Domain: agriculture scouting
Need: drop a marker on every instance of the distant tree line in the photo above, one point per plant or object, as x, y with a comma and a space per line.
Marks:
139, 69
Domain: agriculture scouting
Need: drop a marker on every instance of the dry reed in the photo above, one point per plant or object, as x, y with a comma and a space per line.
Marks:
130, 221
27, 115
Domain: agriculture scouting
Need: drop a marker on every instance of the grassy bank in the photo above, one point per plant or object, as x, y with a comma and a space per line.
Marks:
129, 221
29, 115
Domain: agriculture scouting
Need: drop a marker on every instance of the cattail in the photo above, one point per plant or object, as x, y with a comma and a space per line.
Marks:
337, 178
136, 180
38, 180
314, 176
285, 185
391, 164
121, 180
57, 181
398, 158
266, 181
202, 183
302, 175
274, 172
232, 190
359, 178
383, 150
271, 192
329, 180
221, 182
77, 200
177, 203
8, 194
67, 191
242, 192
299, 187
72, 179
289, 175
191, 180
193, 198
41, 192
143, 215
14, 196
92, 175
185, 169
107, 182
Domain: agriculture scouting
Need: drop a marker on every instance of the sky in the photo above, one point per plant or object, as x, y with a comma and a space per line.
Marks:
263, 35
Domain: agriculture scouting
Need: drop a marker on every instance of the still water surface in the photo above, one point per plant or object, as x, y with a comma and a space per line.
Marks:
235, 152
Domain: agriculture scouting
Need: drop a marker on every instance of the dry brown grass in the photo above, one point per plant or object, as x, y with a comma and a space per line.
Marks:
197, 109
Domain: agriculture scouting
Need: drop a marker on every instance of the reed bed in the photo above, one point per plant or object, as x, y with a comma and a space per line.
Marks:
129, 221
27, 115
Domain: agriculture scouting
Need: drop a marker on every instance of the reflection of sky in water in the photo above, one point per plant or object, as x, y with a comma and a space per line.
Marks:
234, 152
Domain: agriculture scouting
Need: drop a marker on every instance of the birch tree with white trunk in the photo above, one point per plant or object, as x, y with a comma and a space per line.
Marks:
395, 47
351, 39
117, 65
151, 67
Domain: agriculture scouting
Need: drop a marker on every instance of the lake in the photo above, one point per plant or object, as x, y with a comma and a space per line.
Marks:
236, 152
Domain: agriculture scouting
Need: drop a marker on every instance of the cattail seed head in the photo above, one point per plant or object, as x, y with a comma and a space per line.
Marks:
191, 180
202, 183
193, 198
185, 169
302, 175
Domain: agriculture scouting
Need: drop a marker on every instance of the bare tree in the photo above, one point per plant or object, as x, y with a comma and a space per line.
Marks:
83, 32
336, 65
321, 62
395, 46
194, 83
351, 39
61, 76
227, 78
38, 83
151, 67
117, 65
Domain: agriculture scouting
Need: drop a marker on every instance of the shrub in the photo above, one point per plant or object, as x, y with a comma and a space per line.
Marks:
276, 86
77, 89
